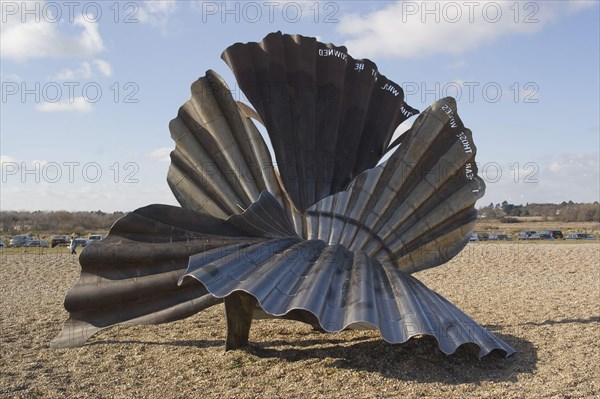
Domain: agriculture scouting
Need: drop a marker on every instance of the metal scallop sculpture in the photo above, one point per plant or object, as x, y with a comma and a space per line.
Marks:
325, 235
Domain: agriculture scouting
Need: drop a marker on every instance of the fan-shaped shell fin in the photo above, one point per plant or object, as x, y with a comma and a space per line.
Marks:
220, 163
135, 269
329, 116
416, 209
341, 289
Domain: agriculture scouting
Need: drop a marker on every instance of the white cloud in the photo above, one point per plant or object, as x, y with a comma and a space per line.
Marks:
458, 64
157, 13
79, 104
410, 29
103, 66
13, 170
6, 159
308, 9
558, 167
39, 164
573, 177
12, 77
289, 11
85, 70
161, 154
578, 5
557, 178
22, 41
575, 165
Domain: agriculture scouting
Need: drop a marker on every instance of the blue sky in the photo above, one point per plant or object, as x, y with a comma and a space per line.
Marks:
88, 88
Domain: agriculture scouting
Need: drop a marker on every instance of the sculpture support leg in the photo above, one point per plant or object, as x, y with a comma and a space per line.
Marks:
239, 307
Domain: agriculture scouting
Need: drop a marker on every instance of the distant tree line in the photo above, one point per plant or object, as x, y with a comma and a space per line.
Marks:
564, 212
81, 223
57, 222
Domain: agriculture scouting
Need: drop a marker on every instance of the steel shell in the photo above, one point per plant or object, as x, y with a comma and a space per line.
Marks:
322, 233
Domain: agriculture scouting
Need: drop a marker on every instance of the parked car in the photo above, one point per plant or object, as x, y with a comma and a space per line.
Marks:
499, 237
19, 241
1, 244
534, 236
557, 234
59, 240
525, 235
80, 241
478, 236
483, 236
95, 237
580, 236
37, 243
545, 236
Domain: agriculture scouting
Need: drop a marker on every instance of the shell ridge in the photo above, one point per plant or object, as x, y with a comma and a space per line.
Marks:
196, 176
265, 217
305, 172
